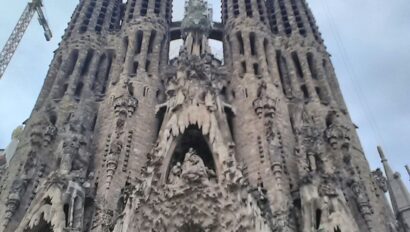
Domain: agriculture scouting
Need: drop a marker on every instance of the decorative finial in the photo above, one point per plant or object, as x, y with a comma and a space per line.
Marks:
198, 16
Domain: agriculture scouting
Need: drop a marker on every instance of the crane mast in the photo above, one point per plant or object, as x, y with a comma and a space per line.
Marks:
18, 32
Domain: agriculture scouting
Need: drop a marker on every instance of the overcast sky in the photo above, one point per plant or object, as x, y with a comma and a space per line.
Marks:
369, 42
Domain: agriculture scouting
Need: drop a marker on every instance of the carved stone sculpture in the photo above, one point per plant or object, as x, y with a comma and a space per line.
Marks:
193, 168
254, 137
381, 181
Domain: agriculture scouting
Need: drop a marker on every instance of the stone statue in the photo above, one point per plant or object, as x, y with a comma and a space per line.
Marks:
193, 168
71, 146
175, 173
381, 181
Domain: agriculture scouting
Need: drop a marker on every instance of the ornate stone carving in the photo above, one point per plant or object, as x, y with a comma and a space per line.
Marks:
198, 17
104, 219
74, 156
17, 190
380, 180
36, 133
362, 199
327, 188
337, 133
193, 168
112, 160
125, 104
75, 197
263, 104
175, 173
49, 134
312, 141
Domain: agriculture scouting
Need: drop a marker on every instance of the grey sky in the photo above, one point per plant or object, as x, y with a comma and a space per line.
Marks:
369, 42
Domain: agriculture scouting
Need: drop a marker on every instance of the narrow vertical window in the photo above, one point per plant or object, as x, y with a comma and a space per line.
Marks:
147, 65
125, 47
318, 218
151, 41
134, 68
157, 7
283, 74
140, 35
87, 62
248, 6
168, 9
94, 123
225, 10
98, 74
297, 64
235, 8
261, 11
107, 74
312, 65
243, 65
285, 18
256, 69
272, 16
240, 41
144, 7
298, 18
305, 92
252, 43
267, 57
72, 62
324, 66
78, 90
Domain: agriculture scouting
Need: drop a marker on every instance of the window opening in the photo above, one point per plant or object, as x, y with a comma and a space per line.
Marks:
305, 92
151, 41
253, 43
235, 8
312, 65
318, 218
297, 64
283, 74
157, 7
241, 44
78, 90
248, 6
144, 7
87, 62
72, 62
139, 42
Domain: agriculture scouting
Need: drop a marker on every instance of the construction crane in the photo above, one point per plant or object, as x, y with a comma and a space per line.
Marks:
19, 30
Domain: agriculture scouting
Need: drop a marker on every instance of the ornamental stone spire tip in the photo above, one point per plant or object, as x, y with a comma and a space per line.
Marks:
198, 16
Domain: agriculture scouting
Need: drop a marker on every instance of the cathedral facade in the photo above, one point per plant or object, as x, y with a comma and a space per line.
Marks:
124, 139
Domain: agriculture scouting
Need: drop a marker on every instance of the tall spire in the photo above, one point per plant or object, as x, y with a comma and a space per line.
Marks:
408, 169
196, 25
400, 197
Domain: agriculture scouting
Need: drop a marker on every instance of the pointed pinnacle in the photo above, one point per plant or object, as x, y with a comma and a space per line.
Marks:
408, 169
381, 153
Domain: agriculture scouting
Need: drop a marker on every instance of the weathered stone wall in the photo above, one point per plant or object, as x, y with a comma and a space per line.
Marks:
113, 110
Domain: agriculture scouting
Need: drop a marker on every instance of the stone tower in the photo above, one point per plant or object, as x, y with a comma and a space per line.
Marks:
123, 139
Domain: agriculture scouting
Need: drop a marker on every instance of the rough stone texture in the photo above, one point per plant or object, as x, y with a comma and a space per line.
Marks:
123, 139
3, 162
